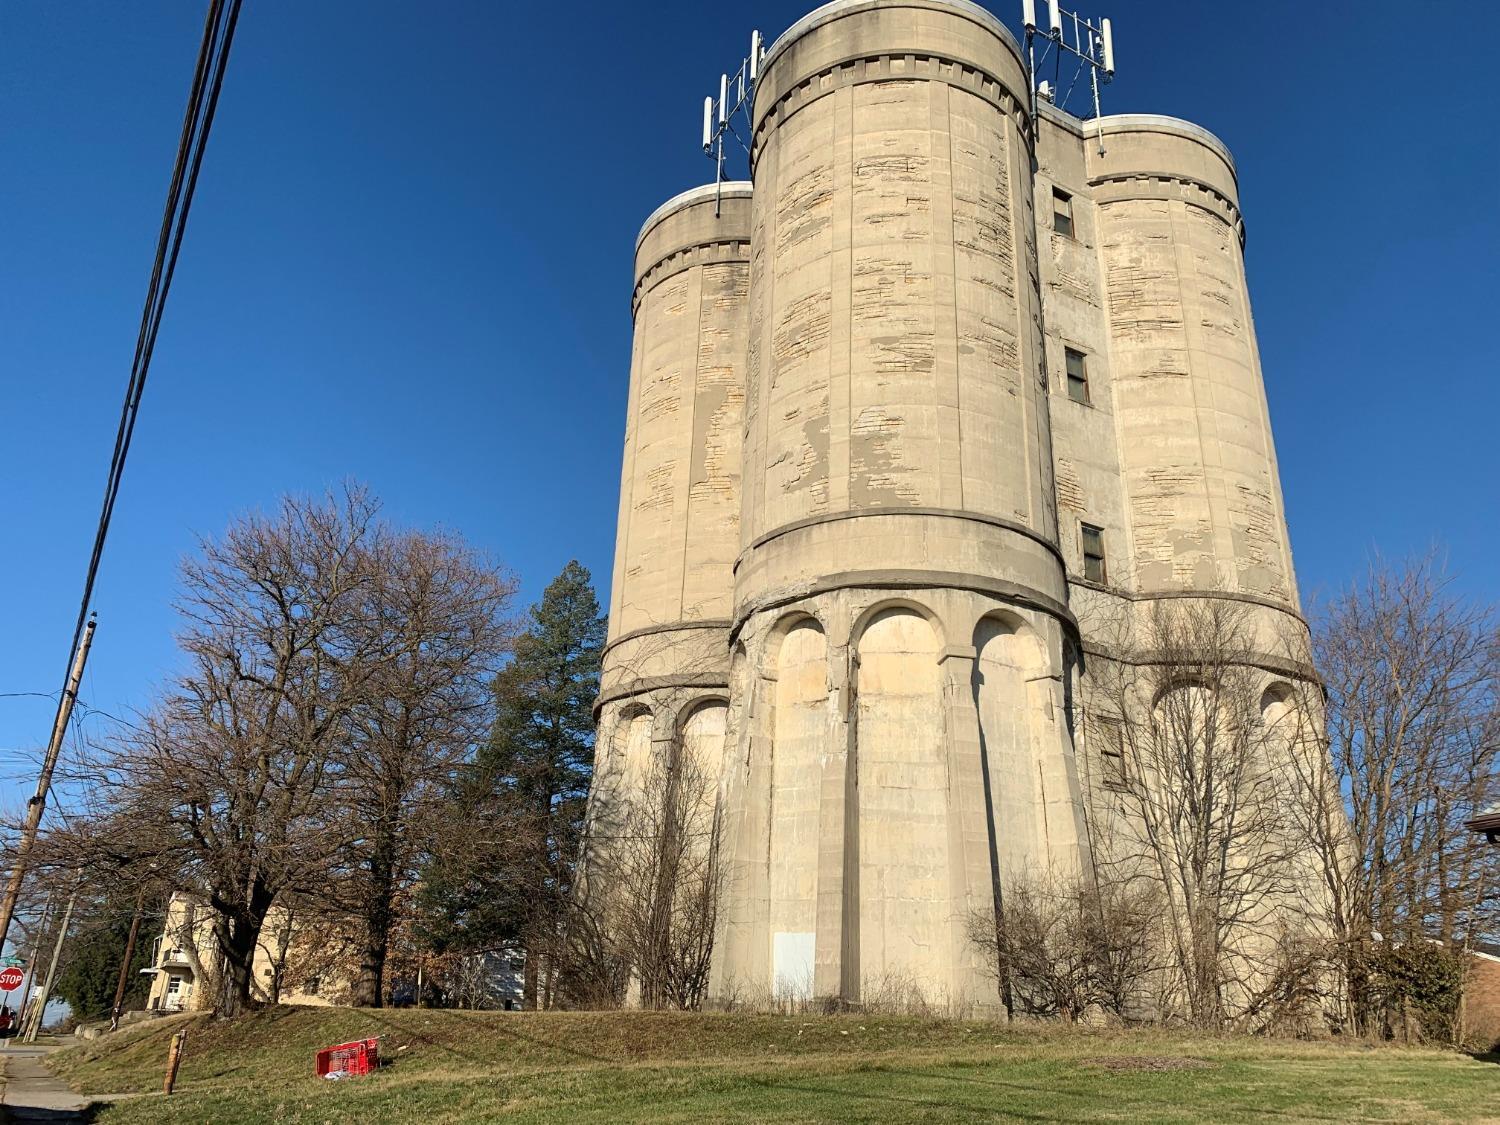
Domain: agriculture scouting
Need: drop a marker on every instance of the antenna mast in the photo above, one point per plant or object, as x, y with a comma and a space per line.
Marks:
719, 113
1093, 46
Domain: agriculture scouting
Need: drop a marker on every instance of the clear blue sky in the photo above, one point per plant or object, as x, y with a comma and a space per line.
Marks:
410, 257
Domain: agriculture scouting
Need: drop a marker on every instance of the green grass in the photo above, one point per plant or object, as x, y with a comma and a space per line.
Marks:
581, 1068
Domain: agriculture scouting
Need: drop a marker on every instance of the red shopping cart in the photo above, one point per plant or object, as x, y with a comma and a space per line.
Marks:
348, 1060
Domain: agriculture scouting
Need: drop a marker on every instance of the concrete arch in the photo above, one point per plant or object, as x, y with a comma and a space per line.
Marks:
1279, 711
697, 703
867, 617
1008, 660
801, 732
1178, 681
623, 761
775, 636
699, 752
901, 759
632, 709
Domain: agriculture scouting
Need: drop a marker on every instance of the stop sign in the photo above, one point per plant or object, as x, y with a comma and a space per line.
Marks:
11, 978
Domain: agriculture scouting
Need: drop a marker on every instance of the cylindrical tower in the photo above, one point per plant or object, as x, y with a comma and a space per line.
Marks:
1202, 495
896, 419
900, 601
678, 533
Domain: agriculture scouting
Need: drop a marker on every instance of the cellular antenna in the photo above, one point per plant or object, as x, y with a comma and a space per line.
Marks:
1092, 45
736, 95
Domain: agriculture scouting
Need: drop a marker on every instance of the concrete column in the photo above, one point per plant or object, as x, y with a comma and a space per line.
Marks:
836, 917
971, 856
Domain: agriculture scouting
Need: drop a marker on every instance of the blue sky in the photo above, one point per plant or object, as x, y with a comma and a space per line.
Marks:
409, 263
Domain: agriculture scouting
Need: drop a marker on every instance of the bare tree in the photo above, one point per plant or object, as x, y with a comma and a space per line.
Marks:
1413, 751
656, 885
434, 614
227, 781
1205, 790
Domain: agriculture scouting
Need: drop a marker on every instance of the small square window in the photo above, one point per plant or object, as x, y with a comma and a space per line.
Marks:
1062, 213
1078, 375
1093, 554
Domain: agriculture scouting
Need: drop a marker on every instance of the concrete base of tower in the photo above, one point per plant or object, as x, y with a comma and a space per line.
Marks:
894, 757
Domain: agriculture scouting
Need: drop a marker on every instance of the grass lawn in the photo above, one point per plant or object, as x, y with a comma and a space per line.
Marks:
587, 1067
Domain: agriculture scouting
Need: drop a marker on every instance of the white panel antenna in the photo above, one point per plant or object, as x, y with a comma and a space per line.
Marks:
1093, 46
736, 98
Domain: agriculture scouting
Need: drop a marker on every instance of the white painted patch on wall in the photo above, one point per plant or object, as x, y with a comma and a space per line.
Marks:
792, 965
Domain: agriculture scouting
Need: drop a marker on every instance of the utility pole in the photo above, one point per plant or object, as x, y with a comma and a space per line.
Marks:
38, 803
62, 933
135, 928
33, 956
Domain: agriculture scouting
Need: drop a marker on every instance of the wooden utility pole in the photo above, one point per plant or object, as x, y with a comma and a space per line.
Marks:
135, 928
23, 1009
36, 805
41, 1000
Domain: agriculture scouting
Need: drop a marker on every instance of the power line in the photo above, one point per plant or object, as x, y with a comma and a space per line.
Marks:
208, 76
197, 123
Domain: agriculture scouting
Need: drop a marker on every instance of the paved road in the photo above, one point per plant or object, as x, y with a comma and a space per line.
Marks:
32, 1093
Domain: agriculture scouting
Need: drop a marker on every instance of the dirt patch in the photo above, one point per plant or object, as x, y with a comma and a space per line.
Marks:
1146, 1062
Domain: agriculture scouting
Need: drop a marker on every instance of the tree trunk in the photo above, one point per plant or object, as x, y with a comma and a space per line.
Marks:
236, 938
369, 985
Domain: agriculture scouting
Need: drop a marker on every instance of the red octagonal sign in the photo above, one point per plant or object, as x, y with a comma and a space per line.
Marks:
11, 978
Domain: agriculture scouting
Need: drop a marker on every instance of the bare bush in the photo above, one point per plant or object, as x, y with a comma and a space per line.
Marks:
1068, 947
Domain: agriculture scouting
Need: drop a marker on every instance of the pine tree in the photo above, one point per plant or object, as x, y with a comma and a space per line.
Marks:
91, 967
525, 796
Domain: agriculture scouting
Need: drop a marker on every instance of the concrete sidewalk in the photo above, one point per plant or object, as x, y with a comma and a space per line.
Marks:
31, 1091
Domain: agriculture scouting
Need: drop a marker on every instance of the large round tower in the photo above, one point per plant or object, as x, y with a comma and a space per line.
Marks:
900, 611
666, 662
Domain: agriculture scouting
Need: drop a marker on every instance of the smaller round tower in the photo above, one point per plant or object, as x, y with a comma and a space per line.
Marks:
666, 662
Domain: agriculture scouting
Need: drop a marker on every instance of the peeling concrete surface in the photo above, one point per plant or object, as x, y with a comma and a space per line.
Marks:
849, 560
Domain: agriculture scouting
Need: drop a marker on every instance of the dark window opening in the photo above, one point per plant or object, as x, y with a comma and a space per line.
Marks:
1111, 753
1078, 375
1093, 554
1062, 213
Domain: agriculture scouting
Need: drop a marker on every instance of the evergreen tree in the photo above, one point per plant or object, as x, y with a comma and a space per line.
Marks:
91, 968
523, 800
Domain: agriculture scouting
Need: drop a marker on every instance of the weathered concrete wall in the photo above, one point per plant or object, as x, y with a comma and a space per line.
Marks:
895, 414
679, 491
678, 531
882, 592
1203, 496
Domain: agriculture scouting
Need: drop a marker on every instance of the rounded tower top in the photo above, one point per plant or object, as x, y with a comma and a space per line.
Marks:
688, 220
950, 31
1151, 145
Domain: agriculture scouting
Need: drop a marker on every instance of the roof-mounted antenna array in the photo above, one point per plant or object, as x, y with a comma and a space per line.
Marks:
736, 94
1093, 46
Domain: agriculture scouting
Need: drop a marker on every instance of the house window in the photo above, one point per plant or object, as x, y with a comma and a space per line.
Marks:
1111, 753
1078, 375
1093, 554
174, 985
312, 986
1062, 213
